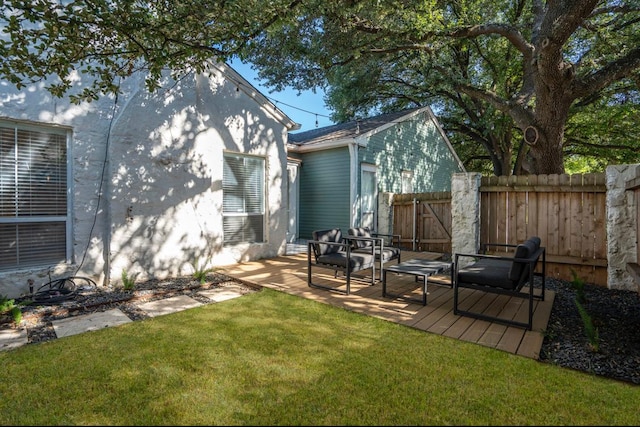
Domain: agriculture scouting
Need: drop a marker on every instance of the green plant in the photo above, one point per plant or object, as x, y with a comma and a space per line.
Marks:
200, 272
578, 284
128, 282
548, 333
16, 314
590, 330
8, 306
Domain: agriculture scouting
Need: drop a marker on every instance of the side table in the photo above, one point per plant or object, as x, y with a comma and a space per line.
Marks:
421, 268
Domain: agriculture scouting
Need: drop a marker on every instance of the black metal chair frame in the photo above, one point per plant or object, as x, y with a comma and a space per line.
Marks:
527, 278
378, 242
344, 256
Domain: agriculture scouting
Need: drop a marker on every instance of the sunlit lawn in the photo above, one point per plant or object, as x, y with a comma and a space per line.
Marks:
269, 358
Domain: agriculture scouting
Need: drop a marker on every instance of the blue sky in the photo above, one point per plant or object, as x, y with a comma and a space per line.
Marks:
304, 109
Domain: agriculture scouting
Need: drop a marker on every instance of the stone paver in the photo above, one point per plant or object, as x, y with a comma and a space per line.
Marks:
12, 338
89, 322
168, 305
222, 294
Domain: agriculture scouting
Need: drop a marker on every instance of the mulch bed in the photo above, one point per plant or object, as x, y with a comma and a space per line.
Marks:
93, 299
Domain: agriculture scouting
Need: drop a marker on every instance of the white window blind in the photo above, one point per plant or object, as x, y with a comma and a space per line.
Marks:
33, 196
243, 198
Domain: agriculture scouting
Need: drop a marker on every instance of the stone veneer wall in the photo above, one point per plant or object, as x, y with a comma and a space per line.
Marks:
465, 214
385, 213
622, 244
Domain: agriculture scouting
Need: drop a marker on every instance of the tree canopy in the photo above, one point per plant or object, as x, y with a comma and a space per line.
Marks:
519, 84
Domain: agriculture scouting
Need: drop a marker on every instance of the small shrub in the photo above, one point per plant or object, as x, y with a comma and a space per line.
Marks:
128, 282
548, 334
591, 331
200, 272
16, 314
578, 285
8, 306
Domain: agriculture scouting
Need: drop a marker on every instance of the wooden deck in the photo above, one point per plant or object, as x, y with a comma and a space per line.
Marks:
289, 274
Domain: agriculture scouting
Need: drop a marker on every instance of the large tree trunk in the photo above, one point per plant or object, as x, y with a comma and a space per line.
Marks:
553, 100
546, 155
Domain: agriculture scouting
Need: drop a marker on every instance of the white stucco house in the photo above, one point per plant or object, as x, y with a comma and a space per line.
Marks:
154, 184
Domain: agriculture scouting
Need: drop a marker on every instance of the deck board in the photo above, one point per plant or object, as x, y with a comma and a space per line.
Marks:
289, 274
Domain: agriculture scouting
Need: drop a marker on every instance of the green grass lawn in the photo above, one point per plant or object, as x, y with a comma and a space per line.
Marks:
269, 358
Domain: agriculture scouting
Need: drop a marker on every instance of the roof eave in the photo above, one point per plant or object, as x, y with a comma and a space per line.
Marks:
324, 145
257, 96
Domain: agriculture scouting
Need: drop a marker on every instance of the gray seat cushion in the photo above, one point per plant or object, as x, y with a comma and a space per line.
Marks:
489, 272
360, 232
519, 270
357, 261
333, 235
536, 240
388, 252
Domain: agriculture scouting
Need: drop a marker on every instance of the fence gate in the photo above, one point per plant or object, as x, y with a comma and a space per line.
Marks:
423, 221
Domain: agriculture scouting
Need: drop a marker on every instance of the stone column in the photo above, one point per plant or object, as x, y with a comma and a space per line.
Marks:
385, 213
622, 247
465, 214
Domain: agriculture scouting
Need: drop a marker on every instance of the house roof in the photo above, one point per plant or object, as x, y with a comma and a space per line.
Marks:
350, 131
358, 132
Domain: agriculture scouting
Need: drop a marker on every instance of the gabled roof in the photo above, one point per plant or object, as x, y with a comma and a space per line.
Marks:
356, 131
242, 84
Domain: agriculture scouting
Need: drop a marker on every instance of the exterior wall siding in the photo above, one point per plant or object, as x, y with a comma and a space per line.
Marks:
415, 145
324, 191
158, 211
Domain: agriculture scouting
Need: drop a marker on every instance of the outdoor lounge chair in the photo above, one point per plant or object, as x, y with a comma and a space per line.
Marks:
383, 253
331, 251
504, 275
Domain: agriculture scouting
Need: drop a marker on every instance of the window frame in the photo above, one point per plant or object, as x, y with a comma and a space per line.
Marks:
244, 213
406, 177
36, 257
367, 168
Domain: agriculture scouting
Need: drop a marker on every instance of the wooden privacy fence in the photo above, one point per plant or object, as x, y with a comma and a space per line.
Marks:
568, 212
423, 220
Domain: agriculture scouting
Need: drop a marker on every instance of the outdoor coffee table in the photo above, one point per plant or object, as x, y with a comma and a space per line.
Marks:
418, 268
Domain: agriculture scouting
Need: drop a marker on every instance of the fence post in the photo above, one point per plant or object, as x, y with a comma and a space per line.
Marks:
414, 225
385, 213
622, 247
465, 213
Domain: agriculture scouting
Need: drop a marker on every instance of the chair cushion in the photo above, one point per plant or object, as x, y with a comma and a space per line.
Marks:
520, 269
357, 261
536, 240
388, 252
488, 272
360, 232
334, 236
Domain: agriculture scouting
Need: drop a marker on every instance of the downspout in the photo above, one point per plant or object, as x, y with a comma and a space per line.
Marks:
353, 191
107, 193
414, 225
107, 203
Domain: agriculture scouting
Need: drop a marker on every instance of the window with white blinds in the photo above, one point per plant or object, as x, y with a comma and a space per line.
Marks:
407, 182
243, 202
33, 196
